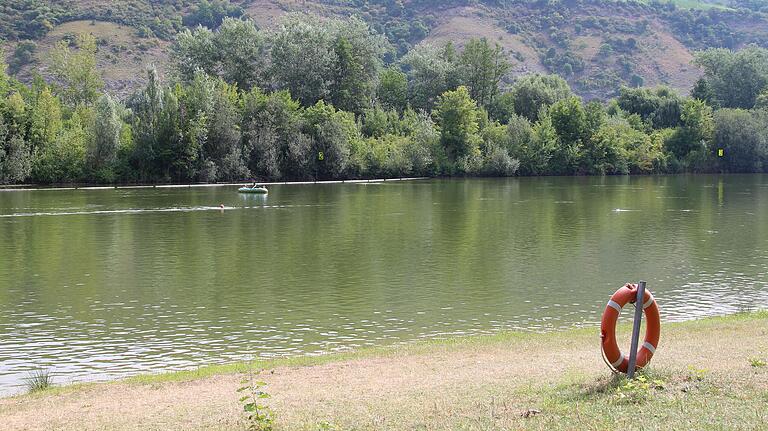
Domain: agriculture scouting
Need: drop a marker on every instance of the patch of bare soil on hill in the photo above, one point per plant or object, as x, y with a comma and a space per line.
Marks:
122, 56
459, 25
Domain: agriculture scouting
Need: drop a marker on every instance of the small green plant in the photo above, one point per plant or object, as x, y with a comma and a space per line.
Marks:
696, 374
637, 390
259, 416
38, 380
757, 362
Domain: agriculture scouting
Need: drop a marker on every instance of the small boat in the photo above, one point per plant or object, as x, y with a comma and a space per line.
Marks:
256, 189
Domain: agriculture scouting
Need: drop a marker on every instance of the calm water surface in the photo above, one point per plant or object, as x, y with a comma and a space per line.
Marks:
98, 284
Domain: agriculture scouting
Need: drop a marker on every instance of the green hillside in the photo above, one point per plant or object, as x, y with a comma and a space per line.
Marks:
597, 45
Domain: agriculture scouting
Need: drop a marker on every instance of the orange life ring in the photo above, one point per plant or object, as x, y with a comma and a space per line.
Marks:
614, 357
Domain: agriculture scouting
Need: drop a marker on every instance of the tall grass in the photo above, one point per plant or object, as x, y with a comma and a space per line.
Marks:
38, 380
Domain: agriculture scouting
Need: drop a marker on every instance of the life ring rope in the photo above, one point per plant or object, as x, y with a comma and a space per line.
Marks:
602, 355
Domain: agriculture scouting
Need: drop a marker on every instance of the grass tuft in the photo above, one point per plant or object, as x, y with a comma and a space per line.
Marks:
38, 380
638, 390
757, 362
696, 374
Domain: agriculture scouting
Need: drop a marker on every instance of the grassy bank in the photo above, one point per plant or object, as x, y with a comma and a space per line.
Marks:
707, 374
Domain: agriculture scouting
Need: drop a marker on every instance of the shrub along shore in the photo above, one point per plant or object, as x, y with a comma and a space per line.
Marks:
707, 374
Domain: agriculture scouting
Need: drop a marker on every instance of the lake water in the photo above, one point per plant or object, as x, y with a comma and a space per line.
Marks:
99, 284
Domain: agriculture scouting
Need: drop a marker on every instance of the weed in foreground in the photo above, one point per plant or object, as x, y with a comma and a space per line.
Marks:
38, 380
638, 390
326, 426
258, 416
696, 374
757, 362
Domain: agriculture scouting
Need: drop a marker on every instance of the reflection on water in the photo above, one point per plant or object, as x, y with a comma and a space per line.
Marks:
106, 283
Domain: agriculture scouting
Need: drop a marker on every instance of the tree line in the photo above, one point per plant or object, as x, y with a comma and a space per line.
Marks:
317, 100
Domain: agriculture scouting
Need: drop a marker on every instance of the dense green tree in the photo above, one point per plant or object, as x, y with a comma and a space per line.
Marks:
520, 134
348, 91
193, 51
502, 108
570, 122
260, 136
377, 122
596, 116
236, 52
691, 143
197, 104
15, 158
533, 92
169, 139
430, 72
450, 55
241, 53
698, 121
332, 134
274, 143
359, 58
45, 120
659, 107
303, 58
702, 90
23, 54
102, 148
5, 80
495, 150
736, 78
618, 148
606, 152
223, 149
535, 156
761, 102
482, 68
423, 149
458, 119
15, 151
392, 92
63, 160
592, 151
210, 14
387, 156
155, 129
76, 70
499, 163
743, 137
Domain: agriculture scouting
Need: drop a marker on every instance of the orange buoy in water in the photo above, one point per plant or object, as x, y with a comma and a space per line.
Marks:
611, 352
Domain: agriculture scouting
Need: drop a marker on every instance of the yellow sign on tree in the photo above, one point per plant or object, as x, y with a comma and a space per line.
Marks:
720, 152
320, 156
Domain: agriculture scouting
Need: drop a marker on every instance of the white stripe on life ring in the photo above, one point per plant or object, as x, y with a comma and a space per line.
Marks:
619, 361
615, 305
650, 347
648, 303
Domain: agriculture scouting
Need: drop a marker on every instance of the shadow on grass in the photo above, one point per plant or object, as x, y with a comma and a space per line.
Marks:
590, 389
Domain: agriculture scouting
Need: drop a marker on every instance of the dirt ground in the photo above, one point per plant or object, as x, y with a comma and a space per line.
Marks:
434, 386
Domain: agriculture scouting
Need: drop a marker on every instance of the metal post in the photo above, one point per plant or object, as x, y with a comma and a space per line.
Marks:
636, 329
